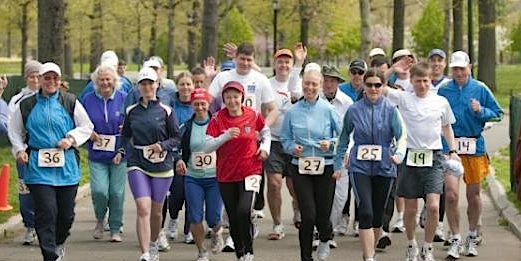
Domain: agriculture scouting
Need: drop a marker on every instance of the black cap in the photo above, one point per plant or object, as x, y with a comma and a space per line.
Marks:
358, 64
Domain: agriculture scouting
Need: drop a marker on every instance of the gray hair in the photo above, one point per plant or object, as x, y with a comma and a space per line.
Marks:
105, 68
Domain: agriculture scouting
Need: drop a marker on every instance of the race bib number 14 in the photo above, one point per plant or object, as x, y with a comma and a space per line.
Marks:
465, 145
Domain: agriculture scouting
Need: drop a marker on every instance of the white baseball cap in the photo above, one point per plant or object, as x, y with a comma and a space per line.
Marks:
376, 51
459, 59
312, 67
109, 57
401, 53
50, 67
152, 63
147, 73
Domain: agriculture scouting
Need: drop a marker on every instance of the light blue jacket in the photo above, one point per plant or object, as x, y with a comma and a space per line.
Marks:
307, 123
469, 123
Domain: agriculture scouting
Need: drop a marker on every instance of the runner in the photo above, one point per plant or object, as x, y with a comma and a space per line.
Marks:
473, 104
309, 134
353, 89
372, 161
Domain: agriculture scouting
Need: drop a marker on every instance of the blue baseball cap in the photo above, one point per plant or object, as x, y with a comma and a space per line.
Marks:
227, 65
438, 52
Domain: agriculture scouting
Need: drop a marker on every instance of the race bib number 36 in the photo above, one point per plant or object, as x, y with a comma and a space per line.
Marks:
51, 158
466, 145
105, 143
203, 160
369, 152
154, 157
311, 165
419, 158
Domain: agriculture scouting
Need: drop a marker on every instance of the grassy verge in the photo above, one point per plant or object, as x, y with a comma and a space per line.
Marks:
6, 157
15, 68
501, 164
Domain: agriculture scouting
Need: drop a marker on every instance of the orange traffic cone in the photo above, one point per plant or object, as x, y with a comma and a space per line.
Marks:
4, 188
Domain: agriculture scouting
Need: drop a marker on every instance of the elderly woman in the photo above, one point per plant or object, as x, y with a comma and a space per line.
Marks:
375, 123
309, 132
107, 179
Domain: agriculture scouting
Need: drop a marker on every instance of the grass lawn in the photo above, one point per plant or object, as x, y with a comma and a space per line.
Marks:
6, 157
508, 81
502, 166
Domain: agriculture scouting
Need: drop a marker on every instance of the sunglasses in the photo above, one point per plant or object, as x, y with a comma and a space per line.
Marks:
359, 72
371, 85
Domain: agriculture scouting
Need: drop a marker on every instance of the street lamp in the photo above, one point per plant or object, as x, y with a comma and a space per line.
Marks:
275, 7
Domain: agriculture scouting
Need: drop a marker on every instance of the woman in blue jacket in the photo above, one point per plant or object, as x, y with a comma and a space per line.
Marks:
107, 179
309, 132
375, 123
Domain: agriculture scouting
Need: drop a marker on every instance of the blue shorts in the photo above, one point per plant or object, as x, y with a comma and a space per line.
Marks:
203, 194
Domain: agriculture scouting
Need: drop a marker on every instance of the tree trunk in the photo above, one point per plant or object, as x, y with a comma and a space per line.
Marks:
9, 41
192, 35
24, 28
365, 11
447, 25
470, 32
209, 29
487, 43
96, 37
153, 29
68, 65
170, 40
50, 30
457, 16
398, 24
305, 18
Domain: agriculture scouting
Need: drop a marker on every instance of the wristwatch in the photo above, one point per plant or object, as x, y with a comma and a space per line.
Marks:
453, 151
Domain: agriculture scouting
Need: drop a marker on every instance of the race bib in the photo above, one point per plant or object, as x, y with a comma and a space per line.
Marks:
22, 188
311, 165
369, 152
105, 143
202, 160
465, 145
249, 101
154, 157
51, 158
252, 183
419, 158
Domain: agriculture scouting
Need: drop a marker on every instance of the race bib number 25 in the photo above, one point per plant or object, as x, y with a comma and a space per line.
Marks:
369, 152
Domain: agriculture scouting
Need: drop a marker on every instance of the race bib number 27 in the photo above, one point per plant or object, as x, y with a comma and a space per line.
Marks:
311, 165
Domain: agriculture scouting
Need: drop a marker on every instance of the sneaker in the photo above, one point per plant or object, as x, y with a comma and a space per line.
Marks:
479, 238
455, 249
411, 254
248, 257
341, 228
421, 220
323, 251
29, 237
399, 226
217, 242
471, 246
229, 246
297, 217
115, 238
60, 251
154, 250
427, 254
355, 229
316, 240
255, 228
144, 257
384, 241
278, 232
98, 230
438, 233
172, 229
332, 243
189, 238
447, 239
202, 256
162, 243
258, 213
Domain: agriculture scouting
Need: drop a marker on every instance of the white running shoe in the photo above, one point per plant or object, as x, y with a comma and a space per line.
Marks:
217, 242
154, 251
189, 238
202, 256
162, 242
471, 246
438, 233
341, 228
248, 257
411, 254
323, 251
229, 246
355, 232
277, 233
145, 257
97, 233
332, 243
258, 213
399, 226
29, 237
384, 240
455, 249
427, 254
172, 229
60, 251
422, 219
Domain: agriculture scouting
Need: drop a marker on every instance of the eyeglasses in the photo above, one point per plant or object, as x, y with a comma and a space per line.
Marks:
359, 72
371, 85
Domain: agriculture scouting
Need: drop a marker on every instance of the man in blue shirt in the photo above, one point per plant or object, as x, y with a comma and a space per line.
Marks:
353, 89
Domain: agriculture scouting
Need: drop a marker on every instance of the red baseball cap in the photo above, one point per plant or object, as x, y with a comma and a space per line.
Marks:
285, 52
233, 85
200, 94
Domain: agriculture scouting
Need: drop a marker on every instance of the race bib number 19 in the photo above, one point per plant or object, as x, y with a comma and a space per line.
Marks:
466, 145
311, 165
105, 143
419, 158
154, 157
51, 158
369, 152
252, 183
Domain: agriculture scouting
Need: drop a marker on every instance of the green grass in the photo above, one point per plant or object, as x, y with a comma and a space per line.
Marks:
507, 79
6, 157
502, 166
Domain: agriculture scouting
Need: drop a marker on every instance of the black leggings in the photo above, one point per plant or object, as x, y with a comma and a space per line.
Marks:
315, 198
347, 206
238, 204
372, 194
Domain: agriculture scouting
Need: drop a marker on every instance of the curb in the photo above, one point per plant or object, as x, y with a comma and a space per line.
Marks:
506, 209
83, 191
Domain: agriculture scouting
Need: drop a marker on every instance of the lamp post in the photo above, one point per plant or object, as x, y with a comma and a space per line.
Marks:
275, 7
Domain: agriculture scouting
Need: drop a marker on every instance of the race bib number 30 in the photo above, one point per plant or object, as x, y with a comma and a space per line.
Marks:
51, 158
202, 160
252, 183
154, 157
466, 145
419, 158
105, 143
369, 152
311, 165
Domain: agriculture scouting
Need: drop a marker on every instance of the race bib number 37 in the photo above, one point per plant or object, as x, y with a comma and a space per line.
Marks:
466, 145
51, 158
369, 152
105, 143
419, 158
311, 165
154, 157
203, 160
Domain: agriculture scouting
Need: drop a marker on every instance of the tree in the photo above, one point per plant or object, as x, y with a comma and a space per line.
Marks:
23, 24
96, 35
428, 31
209, 29
365, 9
447, 11
487, 43
457, 16
515, 36
398, 24
234, 27
193, 23
51, 30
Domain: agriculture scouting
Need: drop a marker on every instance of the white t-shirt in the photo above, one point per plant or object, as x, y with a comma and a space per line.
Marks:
405, 84
283, 102
341, 102
424, 118
257, 87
